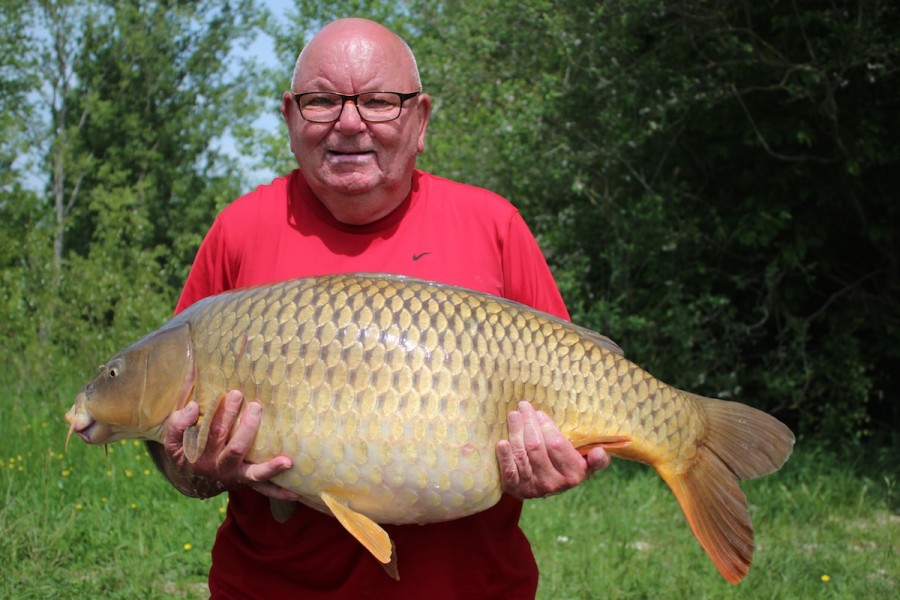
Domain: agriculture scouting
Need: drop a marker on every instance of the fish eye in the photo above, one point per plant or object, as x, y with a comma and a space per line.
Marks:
114, 369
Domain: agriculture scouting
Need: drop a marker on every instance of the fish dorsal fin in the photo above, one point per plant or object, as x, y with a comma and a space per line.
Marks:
599, 339
369, 533
585, 445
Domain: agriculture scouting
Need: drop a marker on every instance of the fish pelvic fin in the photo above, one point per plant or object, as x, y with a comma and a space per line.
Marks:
367, 532
740, 442
282, 510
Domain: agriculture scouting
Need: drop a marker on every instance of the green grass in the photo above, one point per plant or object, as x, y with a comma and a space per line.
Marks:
83, 524
822, 530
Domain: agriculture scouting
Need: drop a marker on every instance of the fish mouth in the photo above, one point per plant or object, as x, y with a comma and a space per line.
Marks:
80, 420
83, 430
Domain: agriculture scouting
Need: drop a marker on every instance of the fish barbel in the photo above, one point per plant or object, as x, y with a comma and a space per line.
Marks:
389, 394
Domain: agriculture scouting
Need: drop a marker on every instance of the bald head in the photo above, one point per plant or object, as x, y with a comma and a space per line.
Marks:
355, 40
360, 170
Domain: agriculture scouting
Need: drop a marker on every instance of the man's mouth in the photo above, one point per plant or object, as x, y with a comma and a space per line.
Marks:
345, 156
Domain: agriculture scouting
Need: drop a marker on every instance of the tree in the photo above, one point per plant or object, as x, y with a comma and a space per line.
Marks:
137, 95
704, 178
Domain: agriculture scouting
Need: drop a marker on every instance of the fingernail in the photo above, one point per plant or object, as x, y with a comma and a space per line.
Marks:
254, 409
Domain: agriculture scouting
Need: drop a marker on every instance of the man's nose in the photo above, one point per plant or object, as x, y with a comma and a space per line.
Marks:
349, 121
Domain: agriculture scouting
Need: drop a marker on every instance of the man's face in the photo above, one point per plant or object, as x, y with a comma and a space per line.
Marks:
352, 160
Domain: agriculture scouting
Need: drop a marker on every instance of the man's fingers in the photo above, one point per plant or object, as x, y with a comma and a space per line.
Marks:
258, 476
563, 458
239, 445
509, 470
181, 420
519, 438
225, 417
597, 460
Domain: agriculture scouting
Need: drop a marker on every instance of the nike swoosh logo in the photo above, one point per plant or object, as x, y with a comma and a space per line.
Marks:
418, 256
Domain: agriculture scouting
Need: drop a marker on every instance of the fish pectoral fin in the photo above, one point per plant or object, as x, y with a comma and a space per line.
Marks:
282, 510
367, 532
193, 447
196, 436
585, 445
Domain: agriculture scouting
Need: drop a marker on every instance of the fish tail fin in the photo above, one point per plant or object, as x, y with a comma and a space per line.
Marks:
740, 442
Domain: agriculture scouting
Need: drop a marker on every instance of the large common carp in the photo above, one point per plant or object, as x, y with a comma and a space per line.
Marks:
389, 394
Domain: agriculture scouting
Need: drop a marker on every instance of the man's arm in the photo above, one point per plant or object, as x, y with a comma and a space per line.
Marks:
221, 466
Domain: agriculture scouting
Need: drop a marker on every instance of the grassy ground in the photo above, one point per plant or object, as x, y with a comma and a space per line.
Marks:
82, 524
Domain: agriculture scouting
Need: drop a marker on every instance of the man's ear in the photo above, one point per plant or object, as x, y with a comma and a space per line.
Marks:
287, 106
423, 108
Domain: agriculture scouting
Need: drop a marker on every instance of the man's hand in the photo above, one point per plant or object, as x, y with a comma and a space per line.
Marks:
538, 460
223, 458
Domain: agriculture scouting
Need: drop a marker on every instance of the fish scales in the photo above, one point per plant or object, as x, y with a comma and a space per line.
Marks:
406, 431
390, 394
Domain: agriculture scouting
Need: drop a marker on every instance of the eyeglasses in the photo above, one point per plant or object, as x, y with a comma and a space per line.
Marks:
373, 107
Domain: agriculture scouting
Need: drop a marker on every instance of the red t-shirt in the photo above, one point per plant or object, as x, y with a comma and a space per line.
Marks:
444, 231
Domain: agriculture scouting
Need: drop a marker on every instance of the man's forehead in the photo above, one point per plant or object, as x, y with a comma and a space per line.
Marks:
355, 51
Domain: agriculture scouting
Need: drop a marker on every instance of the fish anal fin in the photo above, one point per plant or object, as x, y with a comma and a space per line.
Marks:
369, 533
282, 510
585, 445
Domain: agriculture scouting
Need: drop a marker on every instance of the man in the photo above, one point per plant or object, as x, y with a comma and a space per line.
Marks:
357, 119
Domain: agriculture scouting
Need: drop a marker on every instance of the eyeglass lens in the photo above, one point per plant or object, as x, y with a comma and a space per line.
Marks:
324, 107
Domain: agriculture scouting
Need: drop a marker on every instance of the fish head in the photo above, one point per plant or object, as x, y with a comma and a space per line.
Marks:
136, 390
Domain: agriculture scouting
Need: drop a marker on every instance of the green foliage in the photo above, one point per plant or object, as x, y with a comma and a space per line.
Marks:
129, 100
710, 182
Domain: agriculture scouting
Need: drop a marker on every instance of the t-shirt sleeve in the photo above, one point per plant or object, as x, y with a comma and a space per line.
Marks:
526, 275
211, 272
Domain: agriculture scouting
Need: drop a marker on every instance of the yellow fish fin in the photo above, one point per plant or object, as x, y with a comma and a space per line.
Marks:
740, 442
369, 533
586, 444
193, 446
196, 436
282, 510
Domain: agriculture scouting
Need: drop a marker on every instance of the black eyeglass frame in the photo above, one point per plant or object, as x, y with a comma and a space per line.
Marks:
354, 98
